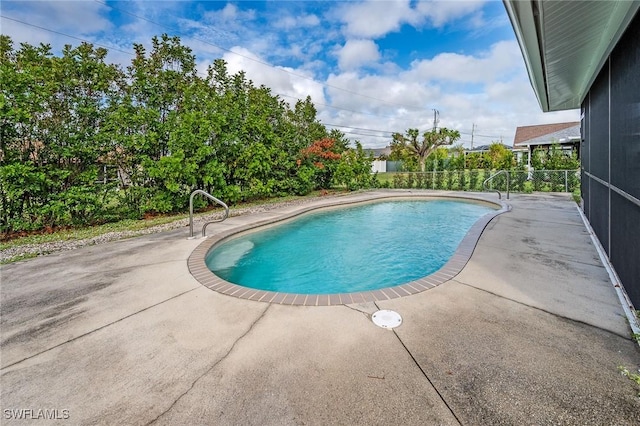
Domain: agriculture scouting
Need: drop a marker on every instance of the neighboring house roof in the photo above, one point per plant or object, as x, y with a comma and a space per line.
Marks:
377, 152
546, 134
484, 148
566, 43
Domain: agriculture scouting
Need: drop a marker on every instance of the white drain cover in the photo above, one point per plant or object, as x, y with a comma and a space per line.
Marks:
386, 319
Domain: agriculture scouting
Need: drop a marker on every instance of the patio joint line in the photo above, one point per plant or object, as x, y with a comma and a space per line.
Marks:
98, 329
567, 259
215, 364
554, 314
366, 314
424, 373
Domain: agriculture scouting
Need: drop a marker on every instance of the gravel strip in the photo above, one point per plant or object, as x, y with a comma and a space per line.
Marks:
46, 248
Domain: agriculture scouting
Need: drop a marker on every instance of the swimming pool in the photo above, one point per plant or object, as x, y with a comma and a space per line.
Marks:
265, 281
360, 248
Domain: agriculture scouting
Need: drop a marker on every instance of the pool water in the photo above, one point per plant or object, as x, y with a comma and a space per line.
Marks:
352, 249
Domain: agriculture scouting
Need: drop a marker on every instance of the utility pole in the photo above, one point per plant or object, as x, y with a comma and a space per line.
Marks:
473, 129
436, 115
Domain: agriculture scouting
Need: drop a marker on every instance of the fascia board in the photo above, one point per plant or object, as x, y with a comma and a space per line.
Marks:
524, 26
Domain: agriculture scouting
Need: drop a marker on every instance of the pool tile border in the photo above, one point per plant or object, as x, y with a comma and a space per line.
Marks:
200, 271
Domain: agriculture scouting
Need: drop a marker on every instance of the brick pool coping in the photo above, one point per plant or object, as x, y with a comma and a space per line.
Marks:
200, 271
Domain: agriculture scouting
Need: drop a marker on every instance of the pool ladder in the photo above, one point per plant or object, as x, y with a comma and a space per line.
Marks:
204, 227
490, 178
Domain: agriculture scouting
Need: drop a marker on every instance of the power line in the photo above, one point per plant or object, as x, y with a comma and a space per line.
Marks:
390, 132
66, 35
279, 94
199, 73
359, 128
346, 109
259, 61
362, 134
133, 54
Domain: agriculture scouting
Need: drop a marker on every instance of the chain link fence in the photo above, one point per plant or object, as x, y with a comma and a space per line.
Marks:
472, 180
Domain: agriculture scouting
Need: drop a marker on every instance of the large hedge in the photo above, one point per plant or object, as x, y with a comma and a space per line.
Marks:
83, 141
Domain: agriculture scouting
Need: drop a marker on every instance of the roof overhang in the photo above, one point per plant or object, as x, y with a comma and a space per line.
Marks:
566, 43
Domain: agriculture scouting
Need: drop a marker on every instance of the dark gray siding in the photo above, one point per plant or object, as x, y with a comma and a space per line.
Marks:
611, 158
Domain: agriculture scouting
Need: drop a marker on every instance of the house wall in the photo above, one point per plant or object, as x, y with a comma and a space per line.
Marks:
378, 166
610, 148
394, 166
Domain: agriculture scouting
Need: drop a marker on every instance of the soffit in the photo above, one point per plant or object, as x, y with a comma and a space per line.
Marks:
565, 43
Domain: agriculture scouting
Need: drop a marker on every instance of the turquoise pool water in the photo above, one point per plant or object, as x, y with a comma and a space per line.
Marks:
351, 249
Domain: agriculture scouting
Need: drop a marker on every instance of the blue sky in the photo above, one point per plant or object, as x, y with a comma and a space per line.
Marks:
371, 67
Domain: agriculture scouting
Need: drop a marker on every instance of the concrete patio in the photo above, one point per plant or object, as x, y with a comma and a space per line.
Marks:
531, 331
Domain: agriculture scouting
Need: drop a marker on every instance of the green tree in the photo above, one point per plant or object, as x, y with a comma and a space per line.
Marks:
431, 140
457, 157
499, 157
82, 141
24, 94
439, 159
475, 160
159, 81
400, 152
258, 161
52, 114
559, 159
354, 169
306, 126
554, 158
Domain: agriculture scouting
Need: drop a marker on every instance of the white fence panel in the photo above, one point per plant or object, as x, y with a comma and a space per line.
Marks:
379, 166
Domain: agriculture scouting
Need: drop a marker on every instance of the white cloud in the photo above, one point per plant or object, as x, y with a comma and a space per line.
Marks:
231, 13
229, 24
373, 19
297, 83
502, 59
489, 89
356, 53
79, 19
502, 98
441, 12
370, 19
274, 34
387, 102
289, 22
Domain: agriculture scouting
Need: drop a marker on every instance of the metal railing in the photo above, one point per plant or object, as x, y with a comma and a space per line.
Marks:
212, 198
490, 178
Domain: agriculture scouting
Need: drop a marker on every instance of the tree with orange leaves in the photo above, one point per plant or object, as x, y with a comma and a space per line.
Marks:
322, 156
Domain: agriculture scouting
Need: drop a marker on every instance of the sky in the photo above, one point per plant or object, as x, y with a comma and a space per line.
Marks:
371, 67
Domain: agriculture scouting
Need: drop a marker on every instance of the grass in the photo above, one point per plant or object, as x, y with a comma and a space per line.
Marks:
577, 196
386, 177
89, 232
631, 376
74, 234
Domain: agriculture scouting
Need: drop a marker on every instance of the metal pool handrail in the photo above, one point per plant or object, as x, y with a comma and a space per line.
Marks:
212, 198
484, 184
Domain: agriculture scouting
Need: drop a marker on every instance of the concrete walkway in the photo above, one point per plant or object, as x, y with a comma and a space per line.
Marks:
530, 332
